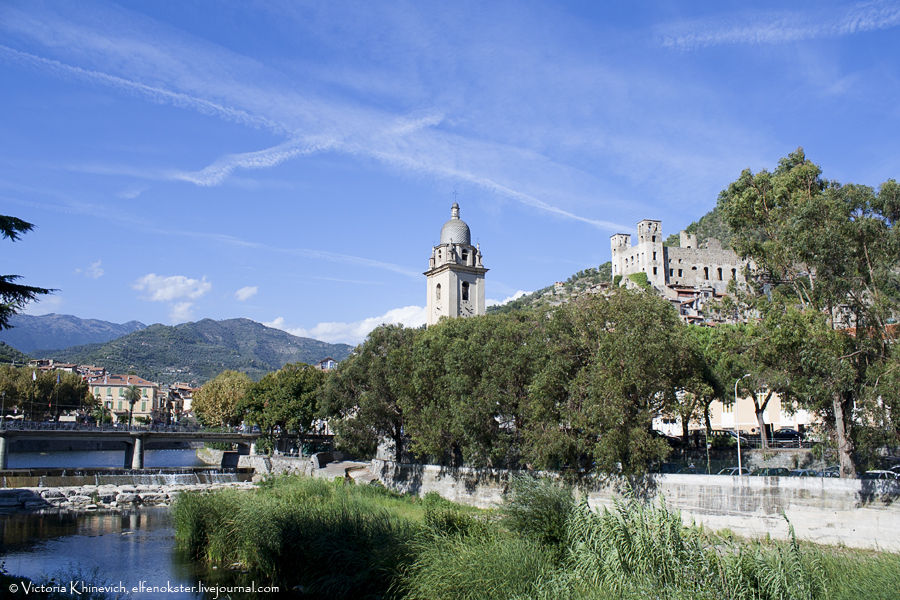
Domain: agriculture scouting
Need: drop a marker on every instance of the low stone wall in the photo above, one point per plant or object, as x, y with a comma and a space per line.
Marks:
856, 513
276, 465
105, 497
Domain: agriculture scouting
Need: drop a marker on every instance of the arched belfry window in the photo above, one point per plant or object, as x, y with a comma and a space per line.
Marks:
465, 291
437, 292
465, 257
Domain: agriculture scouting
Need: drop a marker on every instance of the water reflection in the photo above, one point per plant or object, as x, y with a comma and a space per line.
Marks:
128, 549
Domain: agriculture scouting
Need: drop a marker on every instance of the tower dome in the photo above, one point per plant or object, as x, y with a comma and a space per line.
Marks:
455, 230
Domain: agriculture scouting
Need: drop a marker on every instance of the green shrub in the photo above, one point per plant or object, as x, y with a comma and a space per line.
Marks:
493, 567
616, 280
640, 279
538, 508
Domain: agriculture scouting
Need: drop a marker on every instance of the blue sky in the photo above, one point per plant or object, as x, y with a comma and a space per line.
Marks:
293, 162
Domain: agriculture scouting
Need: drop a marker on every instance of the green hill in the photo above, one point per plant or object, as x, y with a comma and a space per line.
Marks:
197, 352
8, 354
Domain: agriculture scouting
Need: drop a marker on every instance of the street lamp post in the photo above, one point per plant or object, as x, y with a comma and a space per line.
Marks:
737, 422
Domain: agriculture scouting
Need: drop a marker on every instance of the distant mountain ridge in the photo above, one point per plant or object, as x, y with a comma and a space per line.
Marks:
197, 352
53, 332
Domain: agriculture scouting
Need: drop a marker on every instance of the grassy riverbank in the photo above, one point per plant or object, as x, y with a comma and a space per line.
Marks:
347, 541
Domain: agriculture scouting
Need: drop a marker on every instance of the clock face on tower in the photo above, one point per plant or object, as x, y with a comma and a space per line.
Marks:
466, 310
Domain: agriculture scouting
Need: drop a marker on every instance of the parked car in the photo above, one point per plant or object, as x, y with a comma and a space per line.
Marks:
786, 437
770, 472
830, 472
803, 473
879, 474
733, 471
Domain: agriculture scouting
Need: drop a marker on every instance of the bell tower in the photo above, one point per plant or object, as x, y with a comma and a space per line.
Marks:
455, 273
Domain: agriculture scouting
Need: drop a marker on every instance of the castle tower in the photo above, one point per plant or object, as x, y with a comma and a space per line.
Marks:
649, 252
455, 273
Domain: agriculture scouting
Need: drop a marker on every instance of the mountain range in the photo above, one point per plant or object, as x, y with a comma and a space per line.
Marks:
190, 352
53, 332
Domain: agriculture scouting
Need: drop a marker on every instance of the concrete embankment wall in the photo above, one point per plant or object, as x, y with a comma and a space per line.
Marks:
856, 513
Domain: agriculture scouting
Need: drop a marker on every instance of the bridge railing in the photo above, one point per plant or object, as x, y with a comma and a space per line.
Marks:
15, 425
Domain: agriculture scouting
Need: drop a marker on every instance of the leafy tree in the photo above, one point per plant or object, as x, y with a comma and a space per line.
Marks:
286, 398
217, 401
614, 364
368, 394
825, 261
14, 296
132, 396
472, 376
605, 272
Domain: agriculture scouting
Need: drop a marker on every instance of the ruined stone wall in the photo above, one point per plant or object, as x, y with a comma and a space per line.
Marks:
700, 266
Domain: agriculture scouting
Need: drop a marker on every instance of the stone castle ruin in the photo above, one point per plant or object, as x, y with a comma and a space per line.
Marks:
681, 273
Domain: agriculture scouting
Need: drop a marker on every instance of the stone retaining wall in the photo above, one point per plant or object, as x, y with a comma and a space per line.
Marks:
106, 497
856, 513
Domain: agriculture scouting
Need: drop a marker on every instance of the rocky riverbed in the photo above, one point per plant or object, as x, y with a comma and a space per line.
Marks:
105, 497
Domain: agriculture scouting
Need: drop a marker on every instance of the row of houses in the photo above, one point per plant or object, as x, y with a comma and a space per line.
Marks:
159, 403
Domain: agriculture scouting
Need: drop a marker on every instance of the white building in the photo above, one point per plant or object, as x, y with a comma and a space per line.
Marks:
455, 273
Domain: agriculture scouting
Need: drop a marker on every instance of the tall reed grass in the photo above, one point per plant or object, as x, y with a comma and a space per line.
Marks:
346, 541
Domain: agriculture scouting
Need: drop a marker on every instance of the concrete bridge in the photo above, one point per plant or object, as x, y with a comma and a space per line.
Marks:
134, 439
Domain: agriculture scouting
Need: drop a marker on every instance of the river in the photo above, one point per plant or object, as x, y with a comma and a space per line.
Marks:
126, 549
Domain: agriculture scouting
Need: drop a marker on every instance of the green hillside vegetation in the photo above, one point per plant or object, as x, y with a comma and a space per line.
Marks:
710, 225
199, 351
581, 281
8, 354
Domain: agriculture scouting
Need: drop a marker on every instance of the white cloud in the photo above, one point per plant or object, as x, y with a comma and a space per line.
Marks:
515, 296
94, 272
356, 332
44, 306
781, 27
167, 289
246, 292
181, 312
131, 193
217, 172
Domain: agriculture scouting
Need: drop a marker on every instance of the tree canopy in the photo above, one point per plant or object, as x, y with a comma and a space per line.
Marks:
14, 296
825, 261
217, 401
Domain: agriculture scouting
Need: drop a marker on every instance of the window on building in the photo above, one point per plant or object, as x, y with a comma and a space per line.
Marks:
734, 273
705, 272
120, 405
437, 292
654, 270
671, 272
654, 256
109, 404
465, 256
144, 404
465, 291
681, 272
653, 239
720, 273
728, 408
145, 392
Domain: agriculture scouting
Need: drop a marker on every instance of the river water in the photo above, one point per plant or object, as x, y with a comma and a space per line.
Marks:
125, 550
